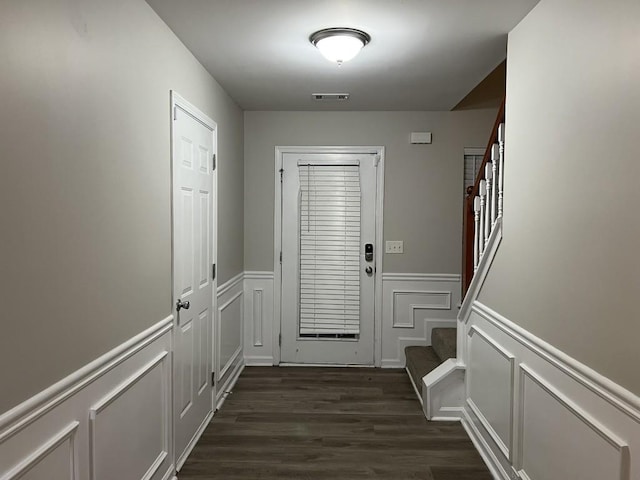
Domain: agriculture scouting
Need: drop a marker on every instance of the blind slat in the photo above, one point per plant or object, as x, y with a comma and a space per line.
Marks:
329, 249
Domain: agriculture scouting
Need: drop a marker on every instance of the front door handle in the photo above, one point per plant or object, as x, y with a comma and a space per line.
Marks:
180, 304
369, 271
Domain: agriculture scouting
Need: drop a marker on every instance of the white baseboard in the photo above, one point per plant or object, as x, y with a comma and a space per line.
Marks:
227, 388
415, 388
483, 448
194, 441
84, 418
258, 361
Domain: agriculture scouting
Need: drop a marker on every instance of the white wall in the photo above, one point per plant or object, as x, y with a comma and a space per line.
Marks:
568, 269
85, 185
423, 183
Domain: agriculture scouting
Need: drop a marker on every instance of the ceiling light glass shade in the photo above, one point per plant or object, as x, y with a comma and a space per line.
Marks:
339, 44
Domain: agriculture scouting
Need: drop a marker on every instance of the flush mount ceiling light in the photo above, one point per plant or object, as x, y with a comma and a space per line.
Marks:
339, 44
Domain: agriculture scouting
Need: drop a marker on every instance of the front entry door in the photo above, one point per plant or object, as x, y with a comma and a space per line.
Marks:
328, 258
193, 227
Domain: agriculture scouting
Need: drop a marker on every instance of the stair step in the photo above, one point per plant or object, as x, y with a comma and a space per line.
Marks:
420, 361
444, 341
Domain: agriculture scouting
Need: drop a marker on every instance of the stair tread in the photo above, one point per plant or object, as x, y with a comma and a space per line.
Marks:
420, 361
444, 342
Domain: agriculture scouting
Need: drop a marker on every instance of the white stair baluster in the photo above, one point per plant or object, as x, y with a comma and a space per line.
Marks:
488, 207
495, 159
476, 238
483, 193
501, 172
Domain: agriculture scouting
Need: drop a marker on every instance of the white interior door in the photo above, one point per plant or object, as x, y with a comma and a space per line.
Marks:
328, 258
193, 289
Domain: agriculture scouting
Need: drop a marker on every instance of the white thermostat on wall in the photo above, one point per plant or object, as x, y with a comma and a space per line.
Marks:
420, 137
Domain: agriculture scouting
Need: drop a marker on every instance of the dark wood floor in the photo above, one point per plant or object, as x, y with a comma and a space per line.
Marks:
329, 423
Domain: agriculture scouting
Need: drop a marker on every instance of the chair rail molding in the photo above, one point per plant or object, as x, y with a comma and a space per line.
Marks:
54, 434
564, 420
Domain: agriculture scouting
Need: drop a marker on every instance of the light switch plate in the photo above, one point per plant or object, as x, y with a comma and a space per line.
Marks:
394, 246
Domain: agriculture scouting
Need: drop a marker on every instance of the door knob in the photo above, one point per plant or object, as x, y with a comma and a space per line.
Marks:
369, 271
180, 304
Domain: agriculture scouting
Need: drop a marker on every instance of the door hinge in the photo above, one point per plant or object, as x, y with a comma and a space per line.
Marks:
279, 339
175, 113
213, 271
213, 379
281, 173
280, 257
213, 162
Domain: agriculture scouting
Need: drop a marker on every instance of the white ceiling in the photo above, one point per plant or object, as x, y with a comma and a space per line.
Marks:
423, 55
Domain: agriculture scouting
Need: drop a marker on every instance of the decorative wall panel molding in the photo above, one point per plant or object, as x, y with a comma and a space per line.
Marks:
412, 301
258, 309
598, 454
229, 328
230, 315
57, 457
490, 387
131, 423
49, 435
259, 318
598, 384
566, 421
413, 304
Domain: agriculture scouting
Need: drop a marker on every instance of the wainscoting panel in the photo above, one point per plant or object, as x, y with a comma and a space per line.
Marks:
544, 409
537, 414
56, 458
258, 318
229, 334
110, 419
131, 424
490, 376
413, 305
229, 340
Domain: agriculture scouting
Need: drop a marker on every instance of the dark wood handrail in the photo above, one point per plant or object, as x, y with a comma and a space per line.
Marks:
493, 138
468, 228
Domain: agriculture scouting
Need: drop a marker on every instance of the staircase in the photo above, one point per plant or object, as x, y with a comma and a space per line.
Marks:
438, 372
422, 360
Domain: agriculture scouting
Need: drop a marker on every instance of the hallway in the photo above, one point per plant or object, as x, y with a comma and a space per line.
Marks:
329, 423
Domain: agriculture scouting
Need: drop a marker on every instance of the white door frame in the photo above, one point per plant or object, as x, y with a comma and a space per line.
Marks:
277, 240
178, 100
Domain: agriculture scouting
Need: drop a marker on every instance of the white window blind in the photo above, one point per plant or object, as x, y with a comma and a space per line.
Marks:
329, 250
472, 164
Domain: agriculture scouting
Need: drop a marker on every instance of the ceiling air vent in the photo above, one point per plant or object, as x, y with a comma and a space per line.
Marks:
324, 97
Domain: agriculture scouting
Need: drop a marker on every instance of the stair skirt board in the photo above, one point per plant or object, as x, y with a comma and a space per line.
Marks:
415, 388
